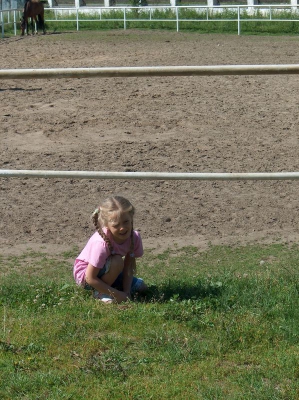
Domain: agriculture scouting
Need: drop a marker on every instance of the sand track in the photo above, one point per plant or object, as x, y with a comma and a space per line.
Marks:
175, 124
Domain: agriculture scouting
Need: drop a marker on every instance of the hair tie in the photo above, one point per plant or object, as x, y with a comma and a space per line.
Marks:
132, 255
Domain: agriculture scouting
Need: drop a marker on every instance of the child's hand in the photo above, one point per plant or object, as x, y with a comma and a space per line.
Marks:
120, 297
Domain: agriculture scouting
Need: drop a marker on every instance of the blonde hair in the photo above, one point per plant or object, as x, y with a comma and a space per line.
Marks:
101, 217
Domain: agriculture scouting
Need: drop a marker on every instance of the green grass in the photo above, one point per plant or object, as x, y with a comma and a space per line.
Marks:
220, 324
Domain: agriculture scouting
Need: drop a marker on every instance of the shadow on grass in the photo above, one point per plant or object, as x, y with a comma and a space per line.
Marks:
179, 291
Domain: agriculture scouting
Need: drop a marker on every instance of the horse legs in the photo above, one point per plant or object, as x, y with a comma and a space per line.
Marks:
33, 22
36, 25
27, 26
41, 23
23, 25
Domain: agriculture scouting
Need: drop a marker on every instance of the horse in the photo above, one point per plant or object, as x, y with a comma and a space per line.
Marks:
33, 9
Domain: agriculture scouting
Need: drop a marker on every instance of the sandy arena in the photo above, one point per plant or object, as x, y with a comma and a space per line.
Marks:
166, 124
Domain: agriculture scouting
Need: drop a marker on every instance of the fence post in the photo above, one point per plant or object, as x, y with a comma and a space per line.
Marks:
251, 4
77, 5
15, 22
109, 3
239, 22
294, 5
212, 3
177, 18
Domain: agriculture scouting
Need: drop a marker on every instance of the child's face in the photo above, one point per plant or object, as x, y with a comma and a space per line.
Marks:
120, 226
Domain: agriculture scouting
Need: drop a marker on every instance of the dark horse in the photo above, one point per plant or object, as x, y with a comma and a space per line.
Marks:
33, 9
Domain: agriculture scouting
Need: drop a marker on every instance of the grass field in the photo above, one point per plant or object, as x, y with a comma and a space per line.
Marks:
219, 324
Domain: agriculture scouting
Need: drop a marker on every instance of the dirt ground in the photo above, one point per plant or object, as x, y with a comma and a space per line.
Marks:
174, 124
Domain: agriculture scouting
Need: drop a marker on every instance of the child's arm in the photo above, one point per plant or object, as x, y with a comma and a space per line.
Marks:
99, 285
128, 273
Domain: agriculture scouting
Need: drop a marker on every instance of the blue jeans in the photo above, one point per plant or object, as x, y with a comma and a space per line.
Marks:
136, 283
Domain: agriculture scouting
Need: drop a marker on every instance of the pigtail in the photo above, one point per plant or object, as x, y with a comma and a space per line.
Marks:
132, 246
95, 220
95, 217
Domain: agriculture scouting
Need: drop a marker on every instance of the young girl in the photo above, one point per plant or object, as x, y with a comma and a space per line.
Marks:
108, 261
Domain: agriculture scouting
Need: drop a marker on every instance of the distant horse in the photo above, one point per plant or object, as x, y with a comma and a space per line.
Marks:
33, 9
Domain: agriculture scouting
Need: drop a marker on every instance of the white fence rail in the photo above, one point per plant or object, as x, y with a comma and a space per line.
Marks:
214, 176
114, 72
125, 15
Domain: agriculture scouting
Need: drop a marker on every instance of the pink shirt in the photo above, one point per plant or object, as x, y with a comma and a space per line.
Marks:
97, 251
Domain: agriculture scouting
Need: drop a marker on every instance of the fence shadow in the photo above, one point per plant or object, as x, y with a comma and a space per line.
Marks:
18, 89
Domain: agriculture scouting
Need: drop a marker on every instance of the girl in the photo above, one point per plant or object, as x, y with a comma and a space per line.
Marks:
108, 261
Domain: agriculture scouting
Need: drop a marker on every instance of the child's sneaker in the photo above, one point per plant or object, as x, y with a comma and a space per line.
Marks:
139, 286
105, 298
